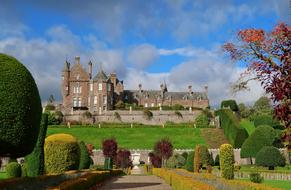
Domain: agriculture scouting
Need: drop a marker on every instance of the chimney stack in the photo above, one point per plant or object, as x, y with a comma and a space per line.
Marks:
90, 69
77, 59
139, 87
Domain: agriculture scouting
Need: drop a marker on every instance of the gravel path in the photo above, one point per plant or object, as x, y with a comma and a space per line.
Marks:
133, 182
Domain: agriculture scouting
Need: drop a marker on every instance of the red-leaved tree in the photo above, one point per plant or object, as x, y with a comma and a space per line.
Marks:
123, 159
109, 148
163, 149
267, 55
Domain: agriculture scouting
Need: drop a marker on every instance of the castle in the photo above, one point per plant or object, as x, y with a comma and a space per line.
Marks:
82, 91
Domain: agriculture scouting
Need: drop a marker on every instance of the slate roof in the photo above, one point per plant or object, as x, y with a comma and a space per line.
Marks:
101, 76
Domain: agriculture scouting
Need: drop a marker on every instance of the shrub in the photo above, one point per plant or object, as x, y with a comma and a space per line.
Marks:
24, 170
201, 121
176, 161
52, 118
59, 116
20, 108
177, 107
235, 134
197, 159
62, 153
87, 115
117, 116
226, 161
109, 148
189, 162
229, 103
205, 156
13, 169
35, 160
263, 136
185, 155
147, 114
256, 178
123, 159
264, 120
164, 149
120, 105
84, 156
270, 156
178, 114
155, 160
49, 107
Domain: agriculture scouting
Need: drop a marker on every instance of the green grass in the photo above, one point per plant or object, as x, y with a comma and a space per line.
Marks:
254, 168
134, 138
283, 184
3, 175
248, 125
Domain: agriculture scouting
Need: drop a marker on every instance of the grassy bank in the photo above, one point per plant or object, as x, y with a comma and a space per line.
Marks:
133, 138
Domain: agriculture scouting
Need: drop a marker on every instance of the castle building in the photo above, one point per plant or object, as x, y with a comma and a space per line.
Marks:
82, 91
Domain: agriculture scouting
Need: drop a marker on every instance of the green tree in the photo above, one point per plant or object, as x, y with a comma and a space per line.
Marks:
263, 136
263, 105
226, 160
35, 160
189, 162
20, 107
270, 156
244, 111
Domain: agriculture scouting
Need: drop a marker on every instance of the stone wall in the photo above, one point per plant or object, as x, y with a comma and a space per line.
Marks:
99, 159
159, 117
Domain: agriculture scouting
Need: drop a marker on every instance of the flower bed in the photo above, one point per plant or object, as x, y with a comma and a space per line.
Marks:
181, 179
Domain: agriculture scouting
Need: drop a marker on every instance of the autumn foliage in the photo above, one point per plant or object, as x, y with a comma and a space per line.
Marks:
267, 55
109, 148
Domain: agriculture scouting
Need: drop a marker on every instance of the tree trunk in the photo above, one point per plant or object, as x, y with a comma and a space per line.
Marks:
251, 160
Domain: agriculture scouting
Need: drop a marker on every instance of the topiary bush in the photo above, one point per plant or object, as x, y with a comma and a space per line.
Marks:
201, 121
235, 134
270, 156
189, 162
263, 120
147, 114
85, 158
24, 170
13, 169
62, 153
229, 103
256, 178
35, 160
264, 135
20, 108
176, 161
226, 161
123, 159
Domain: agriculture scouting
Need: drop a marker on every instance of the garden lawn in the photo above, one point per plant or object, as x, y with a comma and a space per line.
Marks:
3, 175
248, 125
283, 184
213, 137
134, 138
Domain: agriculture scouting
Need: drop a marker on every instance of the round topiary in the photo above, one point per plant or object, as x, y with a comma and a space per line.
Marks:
13, 169
270, 156
20, 108
263, 120
84, 156
61, 153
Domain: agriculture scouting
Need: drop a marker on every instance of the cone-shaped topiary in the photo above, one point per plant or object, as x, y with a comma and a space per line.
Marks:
13, 169
270, 156
61, 153
189, 162
226, 160
84, 156
35, 160
20, 108
197, 159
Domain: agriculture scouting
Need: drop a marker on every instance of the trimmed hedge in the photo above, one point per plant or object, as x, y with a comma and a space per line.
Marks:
62, 153
226, 161
85, 158
264, 120
264, 135
229, 103
13, 169
235, 134
20, 108
35, 160
270, 156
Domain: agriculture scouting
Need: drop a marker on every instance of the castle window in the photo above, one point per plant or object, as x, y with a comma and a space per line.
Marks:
79, 102
95, 100
88, 101
80, 89
78, 77
146, 105
74, 102
108, 87
91, 87
104, 99
74, 89
100, 86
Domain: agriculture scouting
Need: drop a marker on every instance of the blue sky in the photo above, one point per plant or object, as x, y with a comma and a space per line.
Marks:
144, 42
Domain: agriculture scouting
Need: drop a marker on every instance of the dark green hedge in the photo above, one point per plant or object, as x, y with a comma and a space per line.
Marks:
20, 107
84, 156
235, 134
229, 103
264, 120
270, 156
35, 160
264, 135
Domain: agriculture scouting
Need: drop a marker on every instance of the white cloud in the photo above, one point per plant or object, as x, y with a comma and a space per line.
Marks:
142, 56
